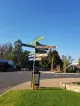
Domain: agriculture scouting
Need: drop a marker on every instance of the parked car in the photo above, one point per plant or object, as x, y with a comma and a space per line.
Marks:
8, 65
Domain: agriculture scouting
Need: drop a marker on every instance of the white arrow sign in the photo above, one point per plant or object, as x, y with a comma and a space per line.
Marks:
31, 56
37, 59
32, 53
31, 59
42, 55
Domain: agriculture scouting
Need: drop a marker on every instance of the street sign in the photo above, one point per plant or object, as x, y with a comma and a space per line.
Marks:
37, 40
37, 59
39, 44
30, 56
32, 53
27, 45
47, 47
31, 59
42, 55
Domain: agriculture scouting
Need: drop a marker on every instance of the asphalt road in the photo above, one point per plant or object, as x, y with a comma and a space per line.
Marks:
10, 79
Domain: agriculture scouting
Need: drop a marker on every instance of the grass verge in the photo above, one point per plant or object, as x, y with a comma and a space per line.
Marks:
42, 97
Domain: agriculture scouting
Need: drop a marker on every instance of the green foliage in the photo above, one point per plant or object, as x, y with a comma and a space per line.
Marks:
44, 62
79, 61
54, 58
16, 53
14, 58
18, 49
72, 69
64, 63
46, 97
69, 60
24, 59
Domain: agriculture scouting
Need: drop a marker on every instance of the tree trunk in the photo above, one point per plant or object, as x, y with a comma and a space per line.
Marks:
52, 64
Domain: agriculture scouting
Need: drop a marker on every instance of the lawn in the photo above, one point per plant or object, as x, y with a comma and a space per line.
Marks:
47, 97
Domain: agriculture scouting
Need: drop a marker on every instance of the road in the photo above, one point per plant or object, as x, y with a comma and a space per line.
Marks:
10, 79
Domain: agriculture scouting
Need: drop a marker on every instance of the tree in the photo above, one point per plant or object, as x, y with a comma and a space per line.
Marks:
79, 61
10, 48
8, 51
51, 58
69, 59
5, 51
1, 52
24, 59
18, 49
54, 59
14, 58
64, 63
44, 62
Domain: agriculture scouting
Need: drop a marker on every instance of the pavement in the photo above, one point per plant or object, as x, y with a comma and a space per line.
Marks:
11, 79
46, 83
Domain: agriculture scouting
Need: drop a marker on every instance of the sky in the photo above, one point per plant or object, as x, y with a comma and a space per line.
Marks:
57, 20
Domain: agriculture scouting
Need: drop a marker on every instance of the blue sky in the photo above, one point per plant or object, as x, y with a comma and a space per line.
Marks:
57, 20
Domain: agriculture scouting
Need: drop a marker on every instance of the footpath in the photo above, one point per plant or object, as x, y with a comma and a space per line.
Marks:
46, 83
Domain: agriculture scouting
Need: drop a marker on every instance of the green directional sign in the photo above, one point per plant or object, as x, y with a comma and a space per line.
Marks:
37, 40
27, 45
32, 53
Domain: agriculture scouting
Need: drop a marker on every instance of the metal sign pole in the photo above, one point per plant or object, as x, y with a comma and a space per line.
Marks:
33, 82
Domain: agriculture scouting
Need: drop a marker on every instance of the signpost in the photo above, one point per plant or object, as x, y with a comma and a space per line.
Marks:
37, 40
31, 59
31, 53
45, 47
30, 56
37, 57
41, 55
27, 45
33, 76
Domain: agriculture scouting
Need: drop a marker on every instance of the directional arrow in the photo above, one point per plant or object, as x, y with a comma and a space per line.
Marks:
37, 59
32, 53
41, 55
27, 45
31, 59
30, 56
37, 40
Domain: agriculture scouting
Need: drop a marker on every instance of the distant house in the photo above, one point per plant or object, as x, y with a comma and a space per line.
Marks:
76, 64
74, 67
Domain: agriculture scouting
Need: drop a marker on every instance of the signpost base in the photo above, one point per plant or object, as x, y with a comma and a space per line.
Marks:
35, 80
